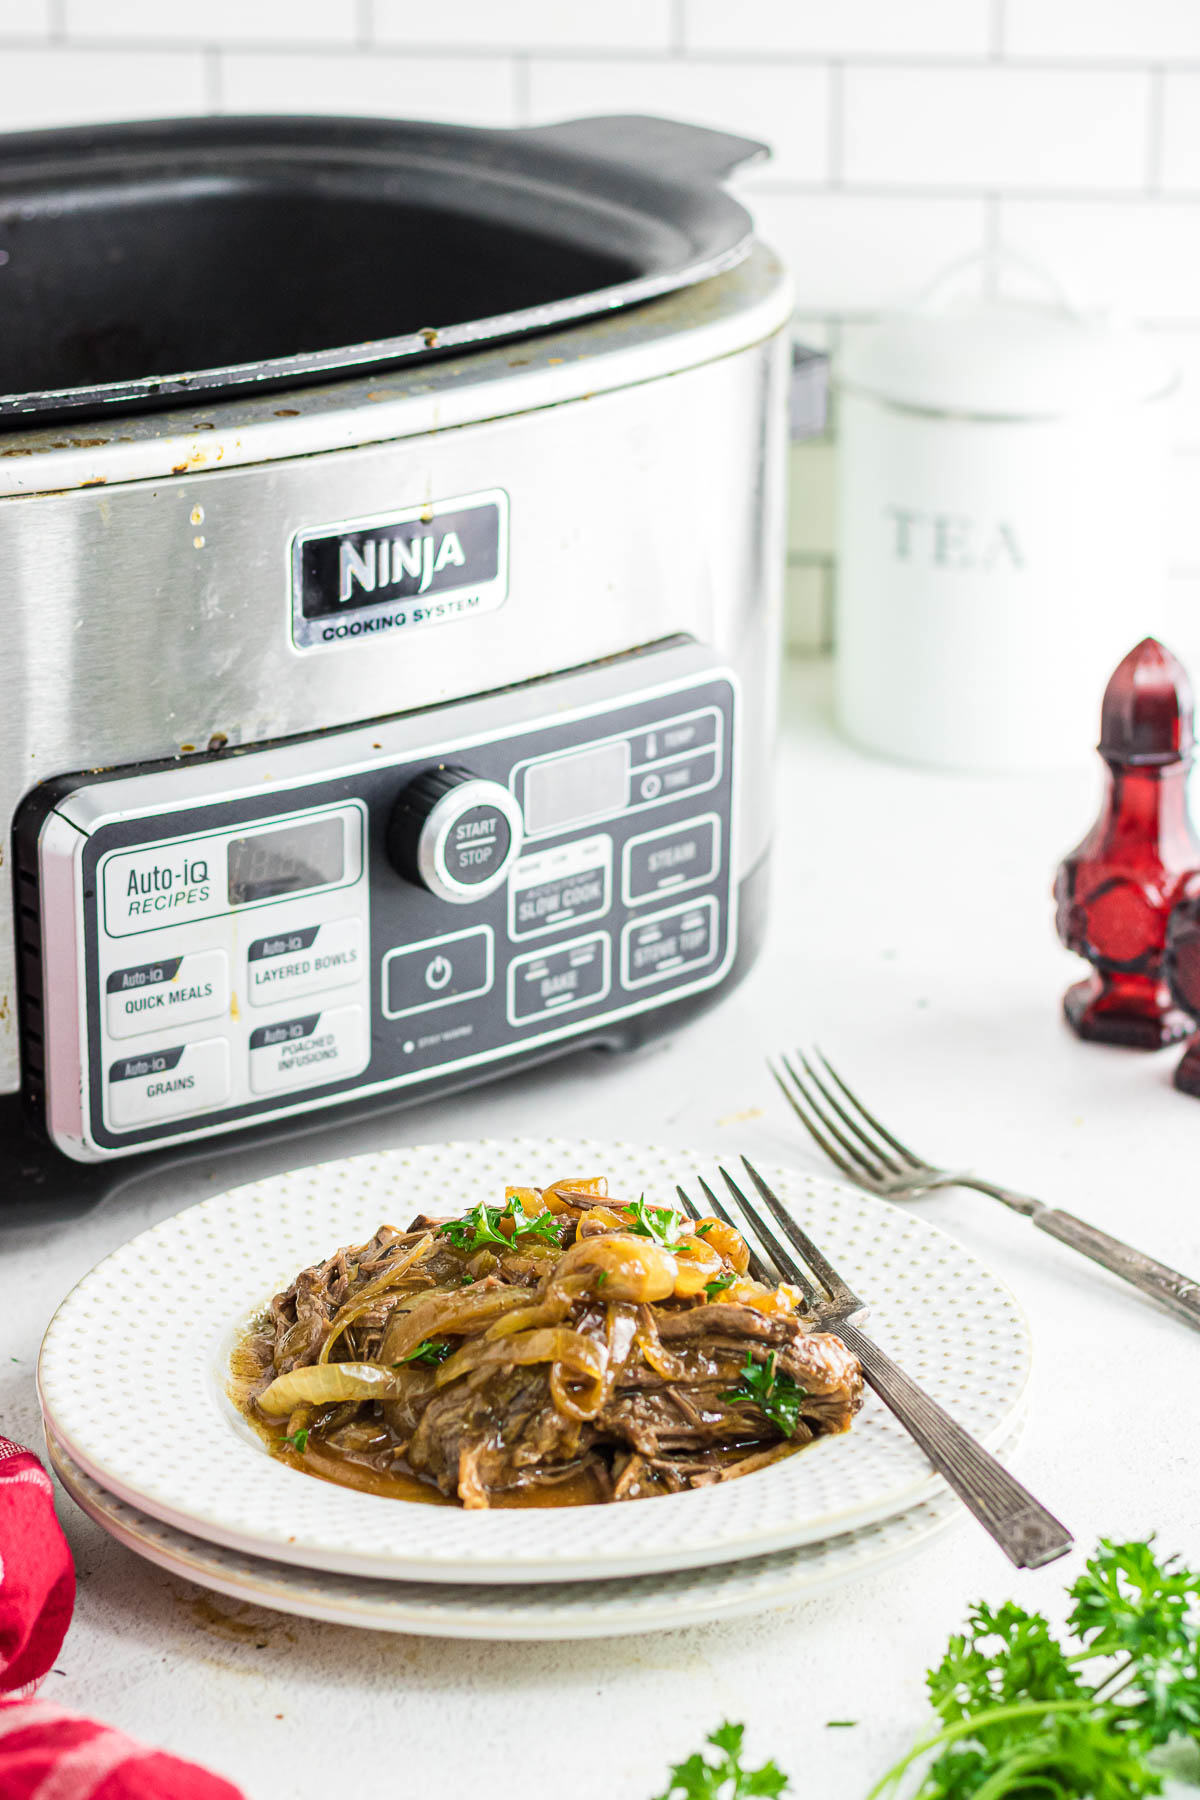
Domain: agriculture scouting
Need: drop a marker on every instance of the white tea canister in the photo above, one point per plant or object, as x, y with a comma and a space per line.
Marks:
1001, 471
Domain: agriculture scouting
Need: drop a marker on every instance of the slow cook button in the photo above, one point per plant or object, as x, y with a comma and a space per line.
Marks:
292, 1053
673, 738
544, 982
669, 943
417, 977
162, 1084
678, 856
308, 960
158, 996
669, 780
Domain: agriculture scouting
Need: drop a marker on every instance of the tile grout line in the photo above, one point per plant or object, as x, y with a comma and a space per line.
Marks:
836, 144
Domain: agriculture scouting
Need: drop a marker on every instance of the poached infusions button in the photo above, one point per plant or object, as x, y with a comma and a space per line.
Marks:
162, 1084
417, 977
174, 990
305, 961
292, 1053
544, 982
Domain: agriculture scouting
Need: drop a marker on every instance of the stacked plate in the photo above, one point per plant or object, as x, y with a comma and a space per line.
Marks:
143, 1435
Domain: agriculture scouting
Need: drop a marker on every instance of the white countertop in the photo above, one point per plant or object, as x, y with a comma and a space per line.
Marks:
912, 936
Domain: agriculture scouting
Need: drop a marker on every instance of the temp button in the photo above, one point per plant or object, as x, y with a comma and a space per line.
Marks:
159, 996
162, 1084
322, 1046
307, 960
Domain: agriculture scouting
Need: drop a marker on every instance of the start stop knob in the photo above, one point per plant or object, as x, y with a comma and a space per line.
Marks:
455, 833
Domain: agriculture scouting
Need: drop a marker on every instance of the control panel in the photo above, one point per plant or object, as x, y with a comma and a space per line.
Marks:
263, 932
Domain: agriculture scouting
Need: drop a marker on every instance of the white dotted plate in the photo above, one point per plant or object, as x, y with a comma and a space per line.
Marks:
133, 1369
559, 1610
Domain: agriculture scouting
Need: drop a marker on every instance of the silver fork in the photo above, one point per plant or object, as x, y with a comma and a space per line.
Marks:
866, 1151
1028, 1534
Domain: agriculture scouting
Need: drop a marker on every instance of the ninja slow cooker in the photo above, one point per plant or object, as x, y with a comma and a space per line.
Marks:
391, 534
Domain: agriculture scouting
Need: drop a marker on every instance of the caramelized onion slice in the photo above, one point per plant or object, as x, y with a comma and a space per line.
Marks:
699, 1262
581, 1355
616, 1267
449, 1313
366, 1297
324, 1383
725, 1241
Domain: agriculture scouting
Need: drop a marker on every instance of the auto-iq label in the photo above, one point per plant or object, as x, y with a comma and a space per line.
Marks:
372, 578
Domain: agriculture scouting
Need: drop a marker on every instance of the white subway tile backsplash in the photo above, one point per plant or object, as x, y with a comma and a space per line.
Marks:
475, 91
852, 28
1138, 31
856, 253
282, 22
1181, 346
785, 106
1142, 255
996, 128
1181, 132
76, 87
525, 24
24, 18
1183, 514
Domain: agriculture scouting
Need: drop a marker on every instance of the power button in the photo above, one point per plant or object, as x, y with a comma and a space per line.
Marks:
417, 977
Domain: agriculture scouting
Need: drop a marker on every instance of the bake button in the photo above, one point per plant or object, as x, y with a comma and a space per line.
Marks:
308, 960
544, 982
670, 943
323, 1046
173, 991
417, 977
162, 1084
673, 738
679, 856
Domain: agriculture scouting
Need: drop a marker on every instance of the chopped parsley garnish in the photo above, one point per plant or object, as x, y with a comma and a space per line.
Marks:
481, 1226
723, 1778
718, 1284
601, 1277
778, 1396
703, 1230
432, 1350
1023, 1713
658, 1223
297, 1439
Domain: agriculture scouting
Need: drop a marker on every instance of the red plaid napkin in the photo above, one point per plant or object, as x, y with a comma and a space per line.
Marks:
46, 1753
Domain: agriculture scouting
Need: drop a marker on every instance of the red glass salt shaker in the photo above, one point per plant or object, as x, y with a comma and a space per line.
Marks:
1181, 967
1116, 891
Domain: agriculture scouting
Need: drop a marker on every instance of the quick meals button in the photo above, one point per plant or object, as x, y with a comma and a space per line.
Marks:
162, 1084
307, 960
292, 1053
544, 982
172, 991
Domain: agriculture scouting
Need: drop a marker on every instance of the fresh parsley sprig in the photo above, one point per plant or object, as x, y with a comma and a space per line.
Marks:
718, 1284
723, 1777
1022, 1715
775, 1394
658, 1223
297, 1439
430, 1350
481, 1226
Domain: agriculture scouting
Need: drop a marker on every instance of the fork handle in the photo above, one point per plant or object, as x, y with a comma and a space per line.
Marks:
1028, 1535
1178, 1293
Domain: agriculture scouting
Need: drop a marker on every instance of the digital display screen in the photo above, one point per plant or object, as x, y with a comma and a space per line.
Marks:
567, 790
287, 860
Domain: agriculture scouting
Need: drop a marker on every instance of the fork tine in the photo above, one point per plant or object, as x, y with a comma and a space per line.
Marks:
848, 1119
788, 1264
909, 1156
757, 1267
820, 1265
818, 1136
690, 1210
873, 1170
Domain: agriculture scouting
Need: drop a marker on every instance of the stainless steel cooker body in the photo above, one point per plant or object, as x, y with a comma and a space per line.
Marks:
149, 563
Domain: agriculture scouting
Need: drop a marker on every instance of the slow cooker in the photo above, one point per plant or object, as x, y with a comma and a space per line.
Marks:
391, 530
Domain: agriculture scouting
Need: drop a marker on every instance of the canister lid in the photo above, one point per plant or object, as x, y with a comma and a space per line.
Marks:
1005, 359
